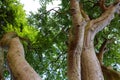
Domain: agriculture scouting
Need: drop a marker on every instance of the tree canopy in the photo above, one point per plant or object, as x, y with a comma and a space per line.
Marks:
45, 35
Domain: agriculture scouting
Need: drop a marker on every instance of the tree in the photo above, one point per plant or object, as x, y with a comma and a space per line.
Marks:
48, 48
82, 59
19, 67
13, 18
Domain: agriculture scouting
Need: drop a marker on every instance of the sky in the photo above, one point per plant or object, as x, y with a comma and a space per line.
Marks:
33, 5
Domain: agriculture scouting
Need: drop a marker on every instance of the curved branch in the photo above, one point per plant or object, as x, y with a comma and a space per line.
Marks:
102, 50
105, 18
102, 5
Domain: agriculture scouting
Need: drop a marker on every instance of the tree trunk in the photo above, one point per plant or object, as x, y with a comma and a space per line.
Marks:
1, 63
75, 42
82, 59
91, 69
19, 67
81, 55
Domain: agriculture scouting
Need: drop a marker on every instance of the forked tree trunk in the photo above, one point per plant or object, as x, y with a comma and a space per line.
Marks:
91, 69
82, 59
81, 55
19, 67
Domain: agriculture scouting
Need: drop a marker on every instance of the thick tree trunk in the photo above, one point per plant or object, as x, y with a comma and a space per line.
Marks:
19, 67
1, 63
91, 69
75, 42
81, 48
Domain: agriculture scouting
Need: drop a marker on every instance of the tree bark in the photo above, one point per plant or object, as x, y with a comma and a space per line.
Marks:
19, 67
76, 37
110, 74
81, 51
1, 63
91, 69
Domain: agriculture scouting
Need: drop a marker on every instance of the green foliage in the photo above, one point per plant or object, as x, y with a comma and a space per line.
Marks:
50, 54
47, 32
13, 18
112, 55
11, 15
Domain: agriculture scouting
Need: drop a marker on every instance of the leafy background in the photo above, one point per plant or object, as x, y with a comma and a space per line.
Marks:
46, 35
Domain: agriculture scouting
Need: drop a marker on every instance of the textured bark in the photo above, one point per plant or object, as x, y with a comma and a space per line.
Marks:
19, 67
91, 69
90, 64
1, 76
75, 42
1, 63
81, 51
102, 5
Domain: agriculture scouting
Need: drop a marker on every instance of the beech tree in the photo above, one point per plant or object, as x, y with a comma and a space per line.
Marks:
85, 61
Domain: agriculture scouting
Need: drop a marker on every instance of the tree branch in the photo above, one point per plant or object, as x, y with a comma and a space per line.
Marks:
105, 18
53, 10
85, 16
102, 5
103, 50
